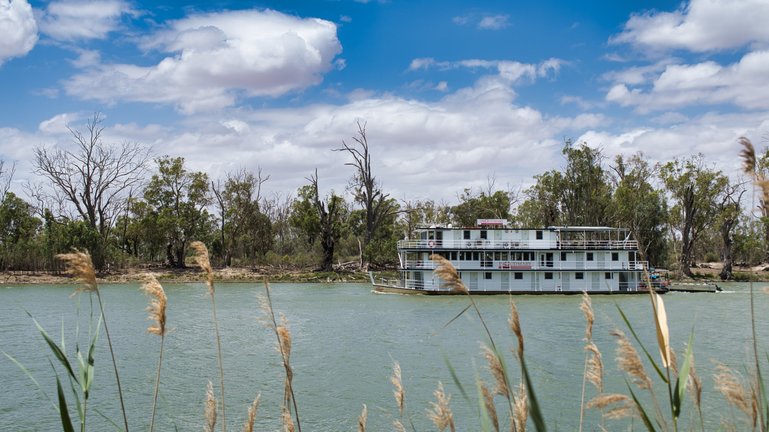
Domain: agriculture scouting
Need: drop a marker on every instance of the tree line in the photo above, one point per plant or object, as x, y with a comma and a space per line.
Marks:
129, 209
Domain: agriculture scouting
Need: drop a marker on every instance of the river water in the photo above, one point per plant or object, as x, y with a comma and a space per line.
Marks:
345, 341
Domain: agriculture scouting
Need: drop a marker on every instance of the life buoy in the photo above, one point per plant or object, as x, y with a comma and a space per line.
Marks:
431, 244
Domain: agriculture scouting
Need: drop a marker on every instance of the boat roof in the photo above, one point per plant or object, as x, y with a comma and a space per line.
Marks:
508, 227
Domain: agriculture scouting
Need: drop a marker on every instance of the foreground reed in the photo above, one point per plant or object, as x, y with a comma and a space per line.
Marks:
157, 313
201, 257
79, 265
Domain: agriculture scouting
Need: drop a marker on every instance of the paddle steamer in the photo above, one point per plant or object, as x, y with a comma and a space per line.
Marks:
493, 258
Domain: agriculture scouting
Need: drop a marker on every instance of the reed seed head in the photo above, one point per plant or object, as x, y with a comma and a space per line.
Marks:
496, 370
284, 336
203, 261
587, 309
249, 425
728, 383
440, 413
748, 154
157, 306
288, 421
604, 400
446, 272
521, 409
79, 265
398, 426
210, 408
362, 418
515, 327
488, 403
695, 384
399, 392
594, 372
630, 362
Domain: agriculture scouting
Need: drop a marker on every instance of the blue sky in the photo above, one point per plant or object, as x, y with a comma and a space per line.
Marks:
455, 94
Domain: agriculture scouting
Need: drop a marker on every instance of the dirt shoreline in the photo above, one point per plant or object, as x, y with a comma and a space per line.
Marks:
704, 272
188, 275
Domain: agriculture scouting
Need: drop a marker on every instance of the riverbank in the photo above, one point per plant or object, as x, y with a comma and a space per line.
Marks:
192, 274
707, 272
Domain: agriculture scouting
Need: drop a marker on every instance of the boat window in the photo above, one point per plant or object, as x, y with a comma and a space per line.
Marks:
498, 256
453, 256
484, 235
487, 275
548, 275
589, 256
615, 256
466, 235
563, 256
518, 275
579, 275
539, 235
476, 256
607, 275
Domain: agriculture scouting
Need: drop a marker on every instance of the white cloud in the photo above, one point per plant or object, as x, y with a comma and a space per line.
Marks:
216, 57
508, 70
483, 21
700, 26
714, 135
59, 123
494, 22
18, 29
71, 20
742, 84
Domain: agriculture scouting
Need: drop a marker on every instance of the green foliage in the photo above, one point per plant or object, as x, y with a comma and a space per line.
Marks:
179, 199
695, 190
482, 206
641, 208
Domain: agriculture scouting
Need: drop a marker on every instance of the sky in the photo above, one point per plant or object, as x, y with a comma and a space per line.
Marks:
453, 94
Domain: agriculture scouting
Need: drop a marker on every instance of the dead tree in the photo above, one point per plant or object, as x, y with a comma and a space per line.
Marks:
94, 178
367, 190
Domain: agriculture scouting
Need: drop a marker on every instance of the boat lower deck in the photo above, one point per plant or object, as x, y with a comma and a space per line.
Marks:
384, 289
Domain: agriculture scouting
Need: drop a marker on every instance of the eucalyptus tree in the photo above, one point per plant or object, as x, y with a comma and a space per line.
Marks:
483, 205
93, 177
367, 192
640, 207
416, 213
18, 232
242, 224
542, 203
586, 193
319, 219
179, 199
729, 209
695, 190
580, 194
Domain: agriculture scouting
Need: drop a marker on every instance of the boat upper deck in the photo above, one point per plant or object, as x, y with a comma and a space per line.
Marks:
496, 234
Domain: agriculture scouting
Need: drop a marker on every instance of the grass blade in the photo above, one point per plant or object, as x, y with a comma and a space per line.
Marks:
534, 411
683, 375
29, 375
455, 377
66, 421
641, 411
55, 348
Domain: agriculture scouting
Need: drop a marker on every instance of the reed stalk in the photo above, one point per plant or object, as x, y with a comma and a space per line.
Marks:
284, 348
80, 266
157, 313
202, 259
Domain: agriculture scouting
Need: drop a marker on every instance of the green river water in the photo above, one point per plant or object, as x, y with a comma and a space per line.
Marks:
345, 340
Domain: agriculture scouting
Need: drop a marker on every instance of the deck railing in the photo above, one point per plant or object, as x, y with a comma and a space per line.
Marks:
571, 265
519, 244
435, 285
